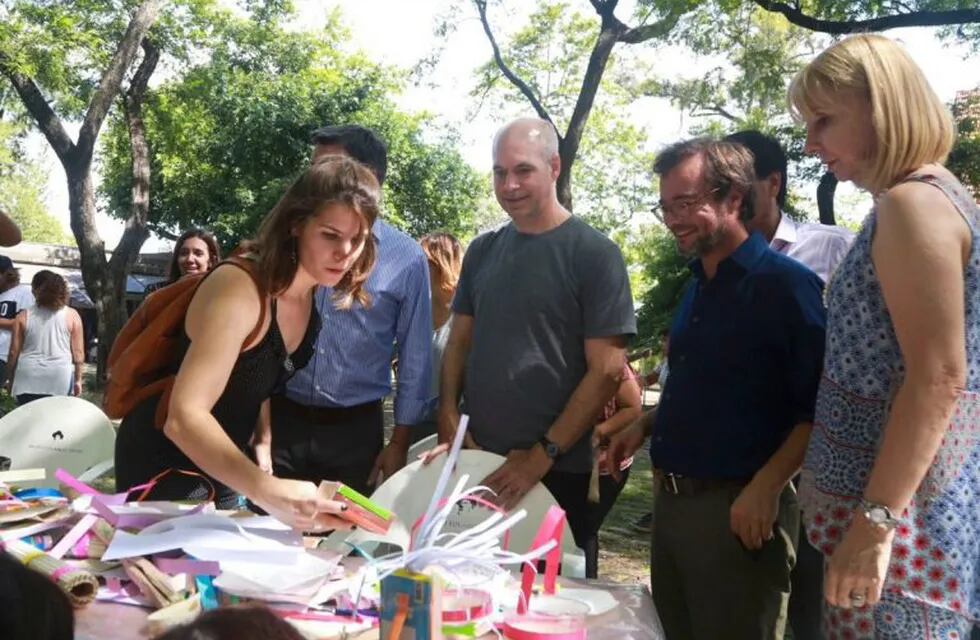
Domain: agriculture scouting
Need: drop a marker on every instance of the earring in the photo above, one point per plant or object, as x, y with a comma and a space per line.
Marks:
295, 250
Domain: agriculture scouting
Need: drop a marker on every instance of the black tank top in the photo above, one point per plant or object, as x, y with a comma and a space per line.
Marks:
142, 451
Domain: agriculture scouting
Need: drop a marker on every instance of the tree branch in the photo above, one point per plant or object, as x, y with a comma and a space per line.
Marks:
113, 75
881, 23
163, 232
717, 110
136, 231
481, 7
47, 120
657, 29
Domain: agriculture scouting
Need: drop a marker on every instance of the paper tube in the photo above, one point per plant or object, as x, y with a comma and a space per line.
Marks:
80, 585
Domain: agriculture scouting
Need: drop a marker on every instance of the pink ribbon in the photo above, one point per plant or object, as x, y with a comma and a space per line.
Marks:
551, 529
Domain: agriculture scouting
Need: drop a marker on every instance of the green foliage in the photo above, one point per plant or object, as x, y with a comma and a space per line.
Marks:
663, 274
22, 185
229, 135
964, 160
747, 88
66, 45
610, 177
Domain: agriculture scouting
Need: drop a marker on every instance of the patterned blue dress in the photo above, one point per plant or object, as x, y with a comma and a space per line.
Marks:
933, 585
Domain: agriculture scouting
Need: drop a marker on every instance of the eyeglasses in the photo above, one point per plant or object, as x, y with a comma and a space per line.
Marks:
681, 208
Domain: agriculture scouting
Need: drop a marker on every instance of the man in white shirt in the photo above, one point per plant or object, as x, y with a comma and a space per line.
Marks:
13, 298
820, 247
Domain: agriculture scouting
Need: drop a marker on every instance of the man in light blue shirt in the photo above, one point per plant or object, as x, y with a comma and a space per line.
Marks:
328, 425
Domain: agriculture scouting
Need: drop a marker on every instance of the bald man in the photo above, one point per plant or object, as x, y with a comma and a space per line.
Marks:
540, 324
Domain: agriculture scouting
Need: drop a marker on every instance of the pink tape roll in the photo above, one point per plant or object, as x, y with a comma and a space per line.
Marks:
462, 605
529, 627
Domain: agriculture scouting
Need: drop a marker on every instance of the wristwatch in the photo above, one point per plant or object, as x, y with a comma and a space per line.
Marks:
551, 449
878, 515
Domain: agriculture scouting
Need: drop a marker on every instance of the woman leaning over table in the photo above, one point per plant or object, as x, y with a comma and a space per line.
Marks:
890, 483
315, 236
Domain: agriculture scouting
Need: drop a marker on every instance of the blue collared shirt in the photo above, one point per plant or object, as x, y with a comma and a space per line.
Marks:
746, 352
352, 361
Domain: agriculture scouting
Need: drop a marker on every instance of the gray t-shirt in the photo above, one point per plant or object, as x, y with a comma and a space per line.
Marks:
535, 299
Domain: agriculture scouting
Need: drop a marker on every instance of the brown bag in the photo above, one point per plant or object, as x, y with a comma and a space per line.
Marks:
146, 355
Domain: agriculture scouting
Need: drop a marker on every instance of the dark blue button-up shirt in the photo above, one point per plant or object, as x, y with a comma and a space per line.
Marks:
746, 351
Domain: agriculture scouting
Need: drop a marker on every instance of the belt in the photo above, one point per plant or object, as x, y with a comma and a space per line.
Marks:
676, 484
322, 414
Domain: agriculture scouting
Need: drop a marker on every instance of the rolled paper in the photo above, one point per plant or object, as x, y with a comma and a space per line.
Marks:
81, 586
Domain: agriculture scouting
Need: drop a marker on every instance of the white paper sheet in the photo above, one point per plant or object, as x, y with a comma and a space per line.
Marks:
261, 539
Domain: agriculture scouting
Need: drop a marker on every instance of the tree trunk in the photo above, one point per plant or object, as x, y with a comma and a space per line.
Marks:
825, 198
107, 293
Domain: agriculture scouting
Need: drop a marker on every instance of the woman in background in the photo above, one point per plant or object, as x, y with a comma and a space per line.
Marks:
445, 256
196, 251
47, 351
623, 409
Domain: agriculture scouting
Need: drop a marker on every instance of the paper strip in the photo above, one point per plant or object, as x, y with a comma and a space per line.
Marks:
70, 538
175, 566
22, 475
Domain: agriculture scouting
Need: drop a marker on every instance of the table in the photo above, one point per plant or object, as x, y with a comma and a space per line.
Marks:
635, 618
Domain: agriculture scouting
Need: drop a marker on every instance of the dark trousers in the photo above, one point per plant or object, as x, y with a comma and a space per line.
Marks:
806, 598
609, 490
24, 398
705, 584
315, 444
571, 492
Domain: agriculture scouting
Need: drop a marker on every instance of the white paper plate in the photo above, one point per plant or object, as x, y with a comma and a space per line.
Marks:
567, 601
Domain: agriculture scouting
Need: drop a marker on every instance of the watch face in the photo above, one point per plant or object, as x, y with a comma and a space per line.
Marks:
877, 515
552, 450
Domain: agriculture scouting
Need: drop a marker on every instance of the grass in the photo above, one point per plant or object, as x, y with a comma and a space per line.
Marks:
624, 554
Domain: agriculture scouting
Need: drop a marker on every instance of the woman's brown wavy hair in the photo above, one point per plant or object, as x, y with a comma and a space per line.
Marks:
328, 180
50, 290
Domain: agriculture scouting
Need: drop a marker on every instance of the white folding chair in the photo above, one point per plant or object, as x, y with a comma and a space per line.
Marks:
58, 432
407, 494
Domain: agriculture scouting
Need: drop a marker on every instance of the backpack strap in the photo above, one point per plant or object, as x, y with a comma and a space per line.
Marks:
249, 266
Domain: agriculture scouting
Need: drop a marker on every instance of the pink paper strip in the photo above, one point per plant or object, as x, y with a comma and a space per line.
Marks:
58, 573
80, 529
318, 617
551, 529
175, 566
110, 499
516, 633
103, 510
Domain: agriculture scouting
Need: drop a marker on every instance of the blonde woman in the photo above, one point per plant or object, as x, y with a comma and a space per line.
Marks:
445, 256
889, 487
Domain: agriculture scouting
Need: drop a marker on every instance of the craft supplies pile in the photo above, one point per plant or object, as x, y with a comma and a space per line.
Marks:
444, 581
